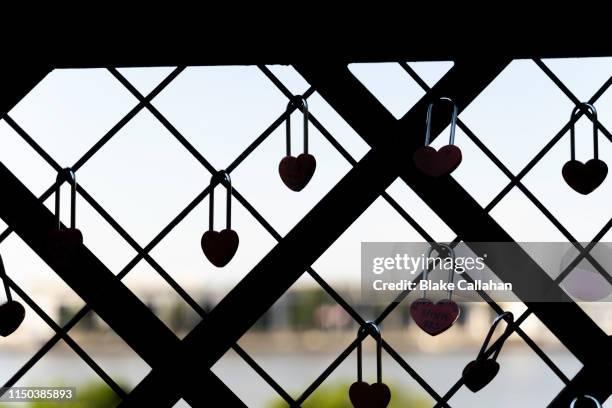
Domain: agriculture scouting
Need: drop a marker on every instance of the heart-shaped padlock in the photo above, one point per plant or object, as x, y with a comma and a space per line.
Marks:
435, 318
584, 177
12, 312
480, 372
220, 246
64, 241
362, 394
296, 172
438, 163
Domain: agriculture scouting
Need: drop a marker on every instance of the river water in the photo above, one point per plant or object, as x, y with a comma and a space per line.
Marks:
524, 380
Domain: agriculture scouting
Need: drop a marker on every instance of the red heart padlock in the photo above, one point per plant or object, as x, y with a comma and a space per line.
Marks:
296, 172
362, 394
438, 163
435, 318
584, 177
220, 247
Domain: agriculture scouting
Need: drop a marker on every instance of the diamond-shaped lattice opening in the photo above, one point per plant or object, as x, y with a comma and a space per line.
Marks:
221, 106
180, 253
533, 225
38, 280
62, 367
418, 209
300, 335
245, 383
162, 299
518, 113
109, 351
390, 84
181, 404
582, 76
143, 177
145, 79
68, 111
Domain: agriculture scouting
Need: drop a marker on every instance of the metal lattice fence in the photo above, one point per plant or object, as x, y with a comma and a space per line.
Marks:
118, 317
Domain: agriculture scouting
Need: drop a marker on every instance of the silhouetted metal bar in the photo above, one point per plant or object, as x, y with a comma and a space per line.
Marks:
257, 47
302, 245
94, 283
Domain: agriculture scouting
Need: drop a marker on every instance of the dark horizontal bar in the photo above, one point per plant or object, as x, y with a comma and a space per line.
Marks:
201, 45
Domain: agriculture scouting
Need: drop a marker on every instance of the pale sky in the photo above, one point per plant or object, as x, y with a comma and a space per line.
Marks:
144, 177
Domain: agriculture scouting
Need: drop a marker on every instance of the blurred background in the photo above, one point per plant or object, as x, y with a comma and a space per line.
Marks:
143, 178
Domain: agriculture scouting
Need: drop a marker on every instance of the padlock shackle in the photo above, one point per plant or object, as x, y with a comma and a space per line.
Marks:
65, 175
3, 276
220, 177
595, 400
573, 121
451, 273
374, 331
453, 125
496, 322
294, 101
